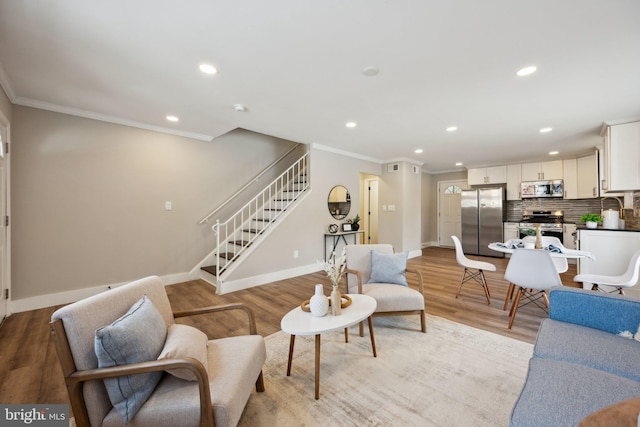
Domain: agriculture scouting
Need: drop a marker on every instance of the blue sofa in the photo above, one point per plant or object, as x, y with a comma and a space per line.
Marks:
580, 364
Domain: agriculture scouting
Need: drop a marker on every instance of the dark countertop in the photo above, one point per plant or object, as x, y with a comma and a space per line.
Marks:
583, 227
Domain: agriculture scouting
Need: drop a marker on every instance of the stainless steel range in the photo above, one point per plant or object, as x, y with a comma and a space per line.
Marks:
550, 222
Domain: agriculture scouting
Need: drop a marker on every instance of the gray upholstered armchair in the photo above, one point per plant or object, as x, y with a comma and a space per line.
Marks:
367, 273
181, 377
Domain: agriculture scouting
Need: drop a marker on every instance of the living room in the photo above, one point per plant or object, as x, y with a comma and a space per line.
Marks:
98, 198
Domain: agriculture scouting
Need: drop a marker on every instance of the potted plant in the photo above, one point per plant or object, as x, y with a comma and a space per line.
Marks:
354, 222
591, 220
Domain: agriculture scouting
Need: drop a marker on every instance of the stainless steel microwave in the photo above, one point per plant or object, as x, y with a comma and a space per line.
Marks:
534, 189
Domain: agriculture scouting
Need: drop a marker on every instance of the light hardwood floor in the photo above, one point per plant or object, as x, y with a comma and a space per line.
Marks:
29, 370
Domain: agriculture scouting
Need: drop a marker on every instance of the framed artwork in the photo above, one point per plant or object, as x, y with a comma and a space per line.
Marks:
346, 227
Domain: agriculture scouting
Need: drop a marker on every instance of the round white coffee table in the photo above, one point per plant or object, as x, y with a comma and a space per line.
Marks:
299, 322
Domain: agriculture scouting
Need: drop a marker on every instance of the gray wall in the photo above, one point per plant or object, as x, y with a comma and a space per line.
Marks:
88, 198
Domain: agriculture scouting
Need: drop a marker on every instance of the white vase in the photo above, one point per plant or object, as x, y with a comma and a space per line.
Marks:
336, 303
591, 224
319, 304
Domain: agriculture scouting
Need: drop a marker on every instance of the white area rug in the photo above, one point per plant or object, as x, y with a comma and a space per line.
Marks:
453, 375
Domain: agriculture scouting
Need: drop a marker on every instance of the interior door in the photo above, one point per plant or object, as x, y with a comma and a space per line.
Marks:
371, 207
449, 212
3, 226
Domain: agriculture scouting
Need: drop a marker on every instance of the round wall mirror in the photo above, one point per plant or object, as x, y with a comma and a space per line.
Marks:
339, 202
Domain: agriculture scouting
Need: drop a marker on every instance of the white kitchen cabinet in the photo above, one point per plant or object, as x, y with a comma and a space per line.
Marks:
514, 177
621, 158
542, 171
511, 231
491, 175
587, 168
612, 251
570, 177
568, 237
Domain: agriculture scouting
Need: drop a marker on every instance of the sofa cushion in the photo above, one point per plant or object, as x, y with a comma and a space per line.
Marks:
389, 268
137, 336
590, 347
562, 394
621, 414
185, 341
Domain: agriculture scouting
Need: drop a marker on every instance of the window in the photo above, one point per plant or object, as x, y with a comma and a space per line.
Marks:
453, 189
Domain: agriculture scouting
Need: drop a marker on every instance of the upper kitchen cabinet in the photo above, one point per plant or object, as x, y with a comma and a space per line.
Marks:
492, 175
581, 177
542, 171
514, 177
588, 177
621, 157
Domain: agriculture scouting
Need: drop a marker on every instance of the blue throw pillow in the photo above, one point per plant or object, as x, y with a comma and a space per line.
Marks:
389, 268
137, 336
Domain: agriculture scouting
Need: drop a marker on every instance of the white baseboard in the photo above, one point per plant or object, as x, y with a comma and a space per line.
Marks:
250, 282
60, 298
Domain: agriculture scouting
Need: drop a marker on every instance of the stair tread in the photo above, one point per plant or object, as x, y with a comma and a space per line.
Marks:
252, 230
211, 269
240, 242
227, 255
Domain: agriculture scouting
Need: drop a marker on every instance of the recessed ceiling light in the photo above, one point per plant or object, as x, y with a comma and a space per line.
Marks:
371, 71
545, 130
459, 164
553, 153
208, 69
239, 107
418, 151
526, 71
351, 124
452, 128
172, 119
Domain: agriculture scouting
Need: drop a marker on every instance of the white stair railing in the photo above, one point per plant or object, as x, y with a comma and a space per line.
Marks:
251, 221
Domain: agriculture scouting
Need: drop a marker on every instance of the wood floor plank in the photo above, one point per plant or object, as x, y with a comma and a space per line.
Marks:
29, 370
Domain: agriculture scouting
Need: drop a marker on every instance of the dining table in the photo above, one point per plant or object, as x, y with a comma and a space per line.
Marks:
565, 253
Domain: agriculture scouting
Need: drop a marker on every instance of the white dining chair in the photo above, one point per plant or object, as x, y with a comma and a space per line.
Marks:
561, 263
626, 280
533, 272
473, 270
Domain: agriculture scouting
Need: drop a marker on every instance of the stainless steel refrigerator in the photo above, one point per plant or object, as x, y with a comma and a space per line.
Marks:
483, 213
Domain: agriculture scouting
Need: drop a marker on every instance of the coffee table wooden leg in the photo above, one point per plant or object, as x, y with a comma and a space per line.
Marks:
373, 340
317, 366
346, 334
292, 341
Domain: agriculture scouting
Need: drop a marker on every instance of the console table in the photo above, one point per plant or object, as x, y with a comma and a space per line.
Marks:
333, 239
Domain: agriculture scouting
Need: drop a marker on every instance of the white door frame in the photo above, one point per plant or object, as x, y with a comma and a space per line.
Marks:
5, 262
464, 184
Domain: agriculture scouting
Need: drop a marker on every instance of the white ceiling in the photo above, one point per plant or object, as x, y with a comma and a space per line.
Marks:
297, 66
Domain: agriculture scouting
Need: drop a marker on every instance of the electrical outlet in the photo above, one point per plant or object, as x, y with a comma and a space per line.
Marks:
168, 206
295, 253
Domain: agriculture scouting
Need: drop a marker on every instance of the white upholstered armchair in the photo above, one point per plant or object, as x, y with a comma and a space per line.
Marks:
182, 378
376, 271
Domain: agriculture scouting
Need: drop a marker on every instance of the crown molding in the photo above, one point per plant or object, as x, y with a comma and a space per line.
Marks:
328, 149
27, 102
6, 85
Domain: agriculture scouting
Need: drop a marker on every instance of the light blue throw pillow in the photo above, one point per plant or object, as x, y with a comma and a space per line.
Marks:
389, 268
137, 336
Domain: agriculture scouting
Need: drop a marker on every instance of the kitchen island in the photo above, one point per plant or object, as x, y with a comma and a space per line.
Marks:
612, 250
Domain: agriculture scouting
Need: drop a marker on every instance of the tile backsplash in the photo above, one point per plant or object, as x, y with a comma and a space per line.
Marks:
574, 209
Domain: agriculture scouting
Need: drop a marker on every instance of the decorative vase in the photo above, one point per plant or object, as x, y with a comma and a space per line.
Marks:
538, 237
319, 304
355, 226
336, 302
592, 224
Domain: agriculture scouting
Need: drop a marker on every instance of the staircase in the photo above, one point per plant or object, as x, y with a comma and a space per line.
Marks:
238, 236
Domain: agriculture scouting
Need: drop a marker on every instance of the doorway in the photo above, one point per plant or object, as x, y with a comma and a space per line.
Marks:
449, 211
370, 208
4, 216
